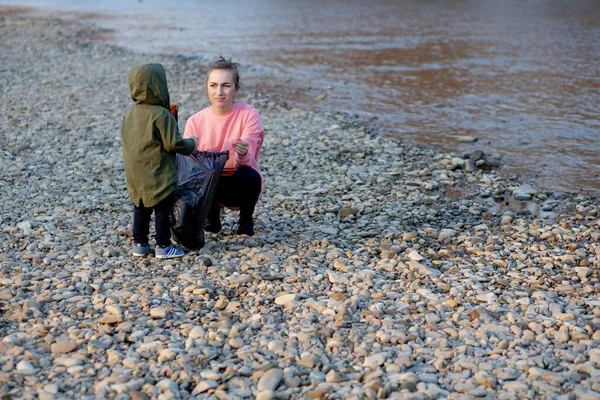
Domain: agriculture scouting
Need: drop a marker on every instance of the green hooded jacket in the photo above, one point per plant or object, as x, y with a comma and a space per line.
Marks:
151, 137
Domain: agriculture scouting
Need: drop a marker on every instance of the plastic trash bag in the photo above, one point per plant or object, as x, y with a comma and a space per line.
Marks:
198, 179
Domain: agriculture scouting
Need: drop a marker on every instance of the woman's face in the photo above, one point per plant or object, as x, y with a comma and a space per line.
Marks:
221, 90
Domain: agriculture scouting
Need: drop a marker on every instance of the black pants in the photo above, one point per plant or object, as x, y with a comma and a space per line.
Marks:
162, 225
239, 190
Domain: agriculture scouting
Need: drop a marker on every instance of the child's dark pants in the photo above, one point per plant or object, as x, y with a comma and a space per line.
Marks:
162, 225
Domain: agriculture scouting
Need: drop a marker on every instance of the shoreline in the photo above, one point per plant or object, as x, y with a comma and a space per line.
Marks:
575, 165
368, 275
274, 92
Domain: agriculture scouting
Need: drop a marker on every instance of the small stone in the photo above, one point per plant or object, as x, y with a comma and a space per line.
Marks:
413, 255
25, 368
334, 376
515, 386
428, 378
129, 362
457, 162
451, 303
317, 377
205, 386
594, 355
484, 164
375, 360
432, 318
338, 296
63, 347
291, 381
340, 265
345, 212
487, 297
524, 193
68, 362
25, 227
276, 345
111, 319
211, 375
197, 332
563, 334
309, 360
466, 139
410, 236
166, 355
506, 374
286, 300
137, 395
583, 272
115, 310
586, 394
446, 234
167, 385
158, 313
485, 379
51, 388
266, 395
318, 393
423, 269
270, 380
337, 278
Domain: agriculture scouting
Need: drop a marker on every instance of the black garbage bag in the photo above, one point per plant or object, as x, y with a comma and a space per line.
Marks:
198, 179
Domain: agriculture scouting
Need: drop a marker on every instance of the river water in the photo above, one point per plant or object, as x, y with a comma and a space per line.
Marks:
523, 77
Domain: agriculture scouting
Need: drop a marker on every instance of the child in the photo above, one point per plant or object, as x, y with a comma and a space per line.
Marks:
151, 138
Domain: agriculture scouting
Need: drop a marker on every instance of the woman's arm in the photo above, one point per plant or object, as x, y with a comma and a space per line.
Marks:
190, 129
251, 140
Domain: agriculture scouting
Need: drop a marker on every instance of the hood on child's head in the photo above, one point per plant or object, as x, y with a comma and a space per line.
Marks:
148, 84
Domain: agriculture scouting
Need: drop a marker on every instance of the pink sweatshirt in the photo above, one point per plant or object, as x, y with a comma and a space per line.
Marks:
218, 133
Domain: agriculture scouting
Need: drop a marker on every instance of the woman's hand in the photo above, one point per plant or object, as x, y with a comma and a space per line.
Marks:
241, 147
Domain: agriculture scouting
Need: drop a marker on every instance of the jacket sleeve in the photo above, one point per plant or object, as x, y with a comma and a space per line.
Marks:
170, 136
254, 134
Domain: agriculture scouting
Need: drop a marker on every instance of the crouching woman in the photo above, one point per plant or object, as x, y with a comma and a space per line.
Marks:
234, 126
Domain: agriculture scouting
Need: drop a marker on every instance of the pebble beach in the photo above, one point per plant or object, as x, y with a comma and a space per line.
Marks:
378, 269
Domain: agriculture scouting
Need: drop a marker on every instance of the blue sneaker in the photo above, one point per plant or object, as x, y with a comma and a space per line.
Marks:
140, 250
169, 252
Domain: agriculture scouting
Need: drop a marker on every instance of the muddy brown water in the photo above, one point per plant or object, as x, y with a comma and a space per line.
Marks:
523, 77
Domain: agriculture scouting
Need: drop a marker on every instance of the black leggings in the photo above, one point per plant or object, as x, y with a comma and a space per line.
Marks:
239, 190
162, 225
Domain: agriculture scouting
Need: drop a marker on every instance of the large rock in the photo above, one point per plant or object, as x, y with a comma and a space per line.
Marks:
524, 193
270, 380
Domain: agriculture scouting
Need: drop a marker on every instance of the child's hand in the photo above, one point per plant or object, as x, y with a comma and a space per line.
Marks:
175, 110
241, 147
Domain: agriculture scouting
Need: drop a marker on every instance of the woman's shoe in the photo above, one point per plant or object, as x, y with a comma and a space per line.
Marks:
213, 220
213, 226
246, 227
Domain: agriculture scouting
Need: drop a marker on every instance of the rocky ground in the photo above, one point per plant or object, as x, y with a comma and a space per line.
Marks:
379, 269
